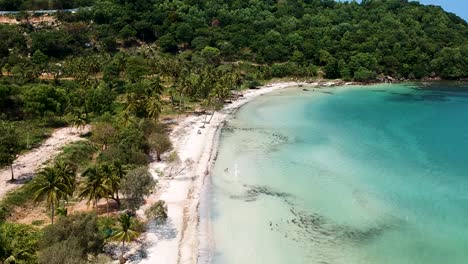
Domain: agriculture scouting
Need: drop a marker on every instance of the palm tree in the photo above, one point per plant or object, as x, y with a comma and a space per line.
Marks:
80, 120
125, 232
94, 66
67, 175
95, 186
117, 175
131, 103
50, 187
112, 180
156, 85
153, 106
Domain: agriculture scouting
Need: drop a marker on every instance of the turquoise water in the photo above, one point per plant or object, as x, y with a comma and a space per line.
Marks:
375, 174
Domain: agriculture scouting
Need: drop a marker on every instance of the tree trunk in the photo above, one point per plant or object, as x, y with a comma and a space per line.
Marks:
107, 200
12, 174
158, 156
117, 199
214, 111
206, 117
122, 252
52, 213
96, 205
172, 101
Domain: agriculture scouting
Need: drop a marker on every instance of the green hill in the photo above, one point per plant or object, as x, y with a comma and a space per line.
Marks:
348, 40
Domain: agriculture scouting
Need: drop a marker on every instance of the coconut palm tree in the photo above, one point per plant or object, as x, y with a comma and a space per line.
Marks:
67, 175
153, 106
156, 85
126, 232
111, 181
95, 186
80, 120
118, 173
131, 103
50, 186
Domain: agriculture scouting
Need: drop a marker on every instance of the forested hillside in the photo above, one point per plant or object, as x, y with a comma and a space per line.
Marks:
347, 40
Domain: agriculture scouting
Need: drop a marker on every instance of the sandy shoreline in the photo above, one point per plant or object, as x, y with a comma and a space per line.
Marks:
178, 241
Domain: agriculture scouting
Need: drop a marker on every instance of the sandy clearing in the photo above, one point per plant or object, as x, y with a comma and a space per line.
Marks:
27, 164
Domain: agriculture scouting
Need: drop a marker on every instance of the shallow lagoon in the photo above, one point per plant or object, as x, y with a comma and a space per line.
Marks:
375, 174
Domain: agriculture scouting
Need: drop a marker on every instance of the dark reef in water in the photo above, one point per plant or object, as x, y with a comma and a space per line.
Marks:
275, 139
253, 192
313, 227
433, 97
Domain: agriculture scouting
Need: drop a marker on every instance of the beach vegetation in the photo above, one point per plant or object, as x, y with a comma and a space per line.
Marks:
157, 211
125, 232
136, 185
71, 240
18, 243
161, 143
9, 146
53, 184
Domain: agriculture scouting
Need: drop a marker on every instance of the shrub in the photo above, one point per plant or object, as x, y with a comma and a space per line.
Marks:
157, 211
253, 84
137, 184
69, 251
37, 222
77, 234
79, 153
18, 243
161, 143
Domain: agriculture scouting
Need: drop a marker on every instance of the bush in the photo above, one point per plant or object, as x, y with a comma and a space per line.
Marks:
157, 211
107, 225
37, 222
173, 157
137, 184
79, 153
161, 143
253, 84
115, 152
77, 234
18, 242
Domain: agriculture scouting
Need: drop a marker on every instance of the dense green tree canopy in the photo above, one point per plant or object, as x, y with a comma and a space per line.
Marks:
392, 37
41, 99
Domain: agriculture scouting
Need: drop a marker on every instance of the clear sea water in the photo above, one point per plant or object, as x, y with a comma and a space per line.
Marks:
374, 174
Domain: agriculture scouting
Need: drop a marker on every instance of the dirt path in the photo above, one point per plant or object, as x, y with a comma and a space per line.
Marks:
26, 164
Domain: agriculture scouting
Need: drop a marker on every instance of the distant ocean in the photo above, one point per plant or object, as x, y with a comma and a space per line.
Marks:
344, 175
